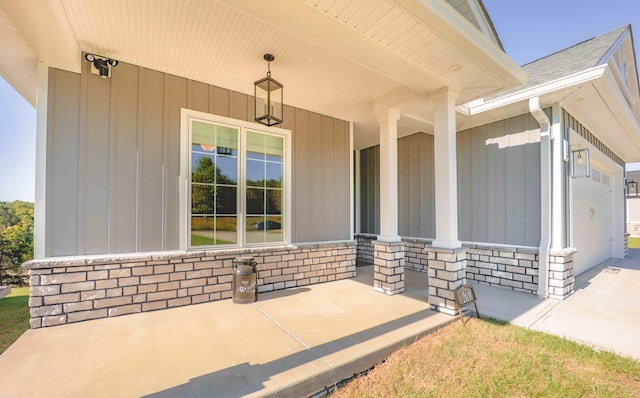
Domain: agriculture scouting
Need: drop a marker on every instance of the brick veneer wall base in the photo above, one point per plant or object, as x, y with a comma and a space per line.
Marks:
415, 257
364, 251
78, 289
447, 272
561, 277
388, 267
626, 245
511, 268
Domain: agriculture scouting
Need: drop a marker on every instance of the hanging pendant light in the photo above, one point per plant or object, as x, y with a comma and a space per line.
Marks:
267, 98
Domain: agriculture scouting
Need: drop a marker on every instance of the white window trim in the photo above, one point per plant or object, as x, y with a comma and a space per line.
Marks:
186, 115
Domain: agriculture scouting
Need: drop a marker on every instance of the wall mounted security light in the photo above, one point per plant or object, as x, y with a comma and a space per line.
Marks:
102, 65
267, 98
580, 164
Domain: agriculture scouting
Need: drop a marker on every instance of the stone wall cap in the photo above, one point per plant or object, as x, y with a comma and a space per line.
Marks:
79, 261
504, 248
528, 250
417, 240
444, 250
385, 243
563, 252
365, 235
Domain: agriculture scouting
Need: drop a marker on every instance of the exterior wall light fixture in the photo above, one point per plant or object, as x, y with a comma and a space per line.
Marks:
580, 164
102, 65
267, 98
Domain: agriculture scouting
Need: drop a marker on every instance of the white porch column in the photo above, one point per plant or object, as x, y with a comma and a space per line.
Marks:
388, 253
446, 178
40, 247
389, 176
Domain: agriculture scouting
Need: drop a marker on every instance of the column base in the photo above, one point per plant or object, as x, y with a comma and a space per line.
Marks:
561, 278
388, 267
447, 272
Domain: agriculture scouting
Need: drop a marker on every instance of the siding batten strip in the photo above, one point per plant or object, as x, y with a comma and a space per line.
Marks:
139, 158
82, 131
165, 157
111, 201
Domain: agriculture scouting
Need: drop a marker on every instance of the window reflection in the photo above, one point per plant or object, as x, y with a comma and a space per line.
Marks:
215, 186
214, 176
255, 201
264, 172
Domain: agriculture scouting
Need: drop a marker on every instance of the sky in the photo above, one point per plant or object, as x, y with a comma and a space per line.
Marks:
17, 146
528, 29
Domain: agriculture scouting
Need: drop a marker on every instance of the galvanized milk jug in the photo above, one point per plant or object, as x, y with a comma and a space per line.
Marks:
244, 280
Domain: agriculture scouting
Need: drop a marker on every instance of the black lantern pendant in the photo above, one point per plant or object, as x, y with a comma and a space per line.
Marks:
267, 98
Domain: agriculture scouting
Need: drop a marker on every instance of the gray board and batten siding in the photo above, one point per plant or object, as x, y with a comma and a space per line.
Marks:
370, 190
498, 184
113, 161
416, 198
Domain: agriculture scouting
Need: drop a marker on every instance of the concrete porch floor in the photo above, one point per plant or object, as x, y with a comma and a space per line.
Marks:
289, 343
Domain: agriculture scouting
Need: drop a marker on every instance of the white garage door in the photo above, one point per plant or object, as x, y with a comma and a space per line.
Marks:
592, 219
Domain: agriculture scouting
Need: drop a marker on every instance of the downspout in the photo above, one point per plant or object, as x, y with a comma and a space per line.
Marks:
545, 195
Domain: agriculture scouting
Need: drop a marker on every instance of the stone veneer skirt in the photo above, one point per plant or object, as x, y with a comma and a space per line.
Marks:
66, 290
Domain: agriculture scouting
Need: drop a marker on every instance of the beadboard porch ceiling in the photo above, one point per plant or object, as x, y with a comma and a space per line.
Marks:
333, 57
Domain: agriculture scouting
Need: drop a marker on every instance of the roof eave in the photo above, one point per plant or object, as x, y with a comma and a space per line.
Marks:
540, 90
440, 15
614, 98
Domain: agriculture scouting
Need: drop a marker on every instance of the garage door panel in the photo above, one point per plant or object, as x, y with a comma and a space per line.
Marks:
592, 222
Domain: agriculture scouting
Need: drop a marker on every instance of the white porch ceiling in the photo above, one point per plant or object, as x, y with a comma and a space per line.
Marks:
333, 57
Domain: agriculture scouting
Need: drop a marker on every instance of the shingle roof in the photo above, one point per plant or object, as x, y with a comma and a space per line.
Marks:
576, 58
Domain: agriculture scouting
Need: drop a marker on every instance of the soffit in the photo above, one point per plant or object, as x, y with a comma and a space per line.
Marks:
440, 52
213, 43
208, 41
18, 64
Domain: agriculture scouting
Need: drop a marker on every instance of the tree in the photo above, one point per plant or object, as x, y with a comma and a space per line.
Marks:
16, 236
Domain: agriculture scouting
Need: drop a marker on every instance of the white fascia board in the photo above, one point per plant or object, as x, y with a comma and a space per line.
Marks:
605, 58
455, 28
481, 18
588, 75
46, 29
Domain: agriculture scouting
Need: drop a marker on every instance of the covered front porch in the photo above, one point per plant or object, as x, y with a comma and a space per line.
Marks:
114, 189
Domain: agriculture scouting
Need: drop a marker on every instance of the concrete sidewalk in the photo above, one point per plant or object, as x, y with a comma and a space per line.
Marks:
290, 343
602, 313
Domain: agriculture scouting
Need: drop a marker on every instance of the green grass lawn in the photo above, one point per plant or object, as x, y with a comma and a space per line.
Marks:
14, 316
634, 243
485, 358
